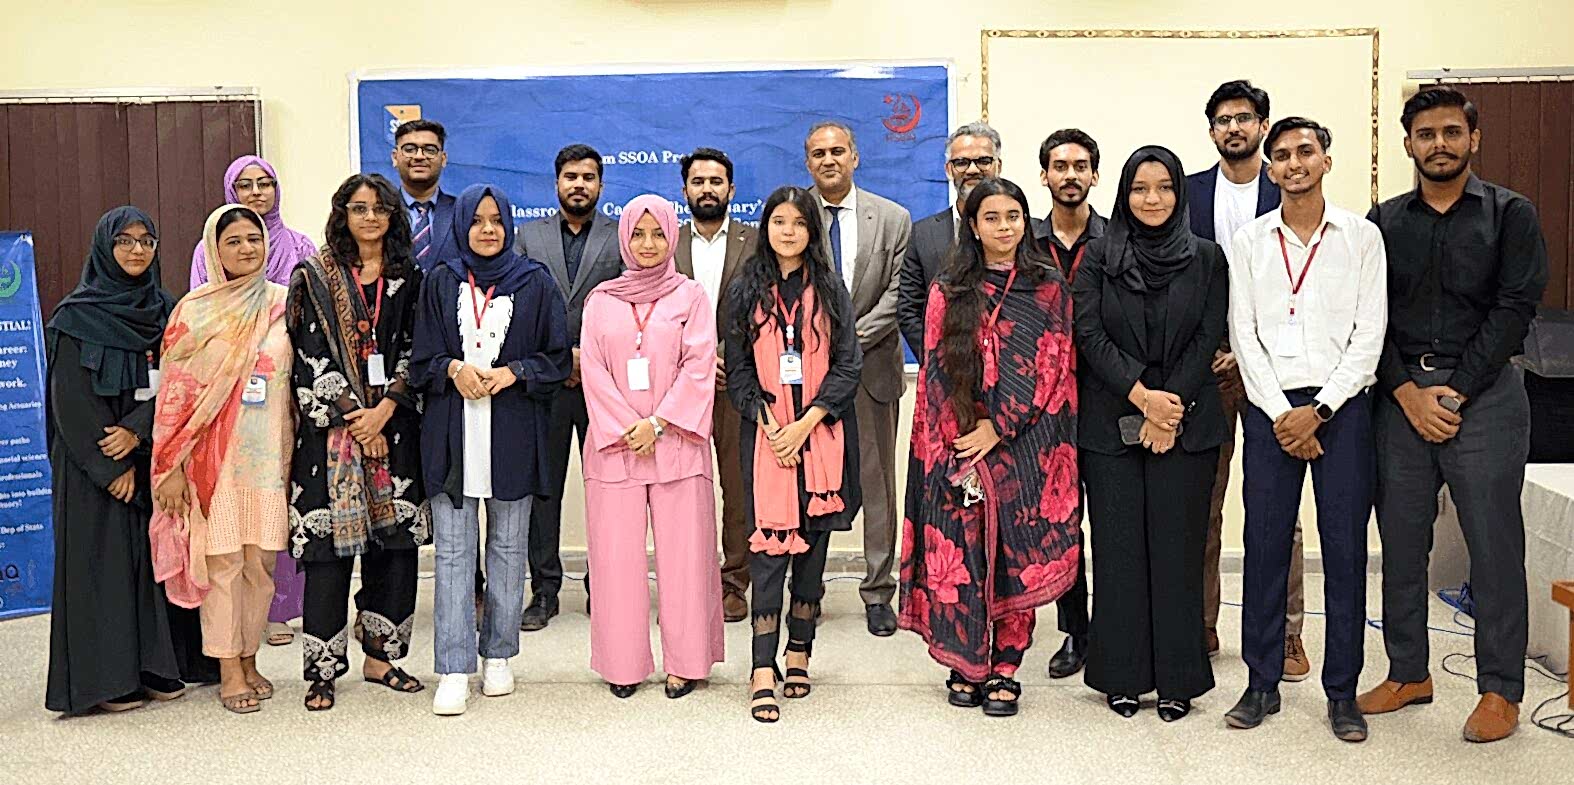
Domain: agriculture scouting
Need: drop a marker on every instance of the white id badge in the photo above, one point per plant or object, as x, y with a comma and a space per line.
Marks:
1290, 343
639, 373
792, 368
149, 392
376, 374
256, 392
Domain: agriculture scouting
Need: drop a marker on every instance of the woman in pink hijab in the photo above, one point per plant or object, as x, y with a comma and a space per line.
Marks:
648, 364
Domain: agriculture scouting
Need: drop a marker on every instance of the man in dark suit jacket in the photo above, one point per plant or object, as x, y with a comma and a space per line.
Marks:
866, 236
712, 248
1225, 197
580, 246
419, 158
971, 154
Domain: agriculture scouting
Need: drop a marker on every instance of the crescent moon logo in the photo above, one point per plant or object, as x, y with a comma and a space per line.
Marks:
906, 112
10, 281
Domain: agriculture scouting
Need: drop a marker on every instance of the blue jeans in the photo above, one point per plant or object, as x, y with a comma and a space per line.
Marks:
456, 534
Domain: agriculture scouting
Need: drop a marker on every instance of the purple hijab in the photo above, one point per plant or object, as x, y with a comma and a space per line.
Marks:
286, 247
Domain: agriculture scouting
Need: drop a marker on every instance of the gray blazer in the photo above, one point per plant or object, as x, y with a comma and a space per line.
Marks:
542, 240
884, 229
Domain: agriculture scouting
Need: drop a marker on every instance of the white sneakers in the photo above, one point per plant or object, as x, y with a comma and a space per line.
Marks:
496, 678
453, 691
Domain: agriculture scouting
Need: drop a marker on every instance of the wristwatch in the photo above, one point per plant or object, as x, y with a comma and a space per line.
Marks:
655, 423
1323, 411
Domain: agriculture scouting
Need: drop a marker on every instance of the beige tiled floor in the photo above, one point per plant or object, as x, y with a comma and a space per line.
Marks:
877, 715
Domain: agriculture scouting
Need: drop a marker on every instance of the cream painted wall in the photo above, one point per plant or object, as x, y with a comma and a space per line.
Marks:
299, 53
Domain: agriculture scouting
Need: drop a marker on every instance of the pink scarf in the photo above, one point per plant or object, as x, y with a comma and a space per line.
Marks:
776, 487
646, 284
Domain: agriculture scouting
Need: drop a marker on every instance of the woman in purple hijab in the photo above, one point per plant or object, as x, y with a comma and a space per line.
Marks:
252, 182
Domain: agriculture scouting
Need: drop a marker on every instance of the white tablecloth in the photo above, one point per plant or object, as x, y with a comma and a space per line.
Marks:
1548, 502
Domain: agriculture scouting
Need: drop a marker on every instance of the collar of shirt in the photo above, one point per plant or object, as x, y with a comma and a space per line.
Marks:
1045, 231
410, 201
1273, 222
721, 234
1473, 187
849, 202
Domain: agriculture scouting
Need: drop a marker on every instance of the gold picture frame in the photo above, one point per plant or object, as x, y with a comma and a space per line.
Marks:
985, 36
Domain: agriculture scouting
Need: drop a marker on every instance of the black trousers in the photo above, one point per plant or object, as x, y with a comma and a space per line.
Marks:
1484, 467
1071, 610
1149, 519
569, 419
768, 574
385, 605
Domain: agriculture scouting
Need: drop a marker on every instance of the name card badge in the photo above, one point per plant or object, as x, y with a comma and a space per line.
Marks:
1291, 342
639, 373
256, 392
149, 392
792, 368
376, 374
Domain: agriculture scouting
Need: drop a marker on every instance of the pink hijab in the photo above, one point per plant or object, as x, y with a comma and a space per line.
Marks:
646, 284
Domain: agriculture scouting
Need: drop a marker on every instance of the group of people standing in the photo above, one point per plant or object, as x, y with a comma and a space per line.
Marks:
429, 360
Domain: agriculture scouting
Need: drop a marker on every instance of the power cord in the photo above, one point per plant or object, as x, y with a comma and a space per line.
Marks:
1561, 724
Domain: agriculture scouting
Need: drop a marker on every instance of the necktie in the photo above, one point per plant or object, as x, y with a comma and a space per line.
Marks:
836, 235
422, 241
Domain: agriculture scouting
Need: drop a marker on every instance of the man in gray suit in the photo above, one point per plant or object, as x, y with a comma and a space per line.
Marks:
580, 247
712, 249
868, 235
972, 154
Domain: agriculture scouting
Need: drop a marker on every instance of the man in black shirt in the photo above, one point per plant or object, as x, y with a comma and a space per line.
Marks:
1069, 164
1466, 267
580, 246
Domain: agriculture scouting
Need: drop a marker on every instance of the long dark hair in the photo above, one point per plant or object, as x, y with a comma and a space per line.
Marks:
398, 248
962, 284
761, 273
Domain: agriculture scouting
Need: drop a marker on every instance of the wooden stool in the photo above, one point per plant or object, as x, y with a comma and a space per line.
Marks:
1563, 594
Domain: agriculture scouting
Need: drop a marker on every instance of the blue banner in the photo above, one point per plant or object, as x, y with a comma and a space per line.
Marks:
507, 131
27, 561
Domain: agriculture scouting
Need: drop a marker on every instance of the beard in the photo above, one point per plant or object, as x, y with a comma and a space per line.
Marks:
708, 212
1461, 164
1247, 152
1073, 202
578, 212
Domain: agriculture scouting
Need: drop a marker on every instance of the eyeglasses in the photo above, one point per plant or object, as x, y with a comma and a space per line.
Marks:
1243, 119
430, 150
126, 242
260, 184
362, 210
961, 164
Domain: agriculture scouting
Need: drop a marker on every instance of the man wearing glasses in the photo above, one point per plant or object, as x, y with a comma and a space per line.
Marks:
1225, 197
419, 157
972, 154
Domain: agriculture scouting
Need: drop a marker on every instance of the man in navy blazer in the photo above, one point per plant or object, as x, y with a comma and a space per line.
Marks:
1225, 197
419, 157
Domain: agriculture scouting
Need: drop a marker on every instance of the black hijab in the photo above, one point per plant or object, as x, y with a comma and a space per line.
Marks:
1143, 257
118, 318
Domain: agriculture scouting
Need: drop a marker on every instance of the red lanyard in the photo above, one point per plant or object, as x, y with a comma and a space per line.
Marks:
480, 309
377, 312
639, 324
1296, 283
1076, 261
994, 316
788, 316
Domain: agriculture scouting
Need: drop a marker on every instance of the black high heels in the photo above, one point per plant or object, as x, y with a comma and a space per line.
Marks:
1172, 710
1124, 705
623, 690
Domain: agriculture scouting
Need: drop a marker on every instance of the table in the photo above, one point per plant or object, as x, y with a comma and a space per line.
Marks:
1548, 503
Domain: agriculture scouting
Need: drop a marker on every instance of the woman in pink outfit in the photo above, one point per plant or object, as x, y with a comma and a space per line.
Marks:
648, 364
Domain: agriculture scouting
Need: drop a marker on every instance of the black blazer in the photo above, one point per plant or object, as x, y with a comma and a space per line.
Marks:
925, 259
1111, 335
1199, 192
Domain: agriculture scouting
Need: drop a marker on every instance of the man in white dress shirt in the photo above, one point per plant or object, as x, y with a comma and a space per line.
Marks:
1308, 310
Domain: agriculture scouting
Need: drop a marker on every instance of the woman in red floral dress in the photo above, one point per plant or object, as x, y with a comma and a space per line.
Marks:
993, 506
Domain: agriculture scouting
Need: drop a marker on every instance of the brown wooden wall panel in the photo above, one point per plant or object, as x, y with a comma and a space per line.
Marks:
62, 165
1527, 144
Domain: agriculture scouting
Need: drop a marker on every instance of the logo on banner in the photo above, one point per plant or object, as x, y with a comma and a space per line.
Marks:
10, 280
906, 112
399, 114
